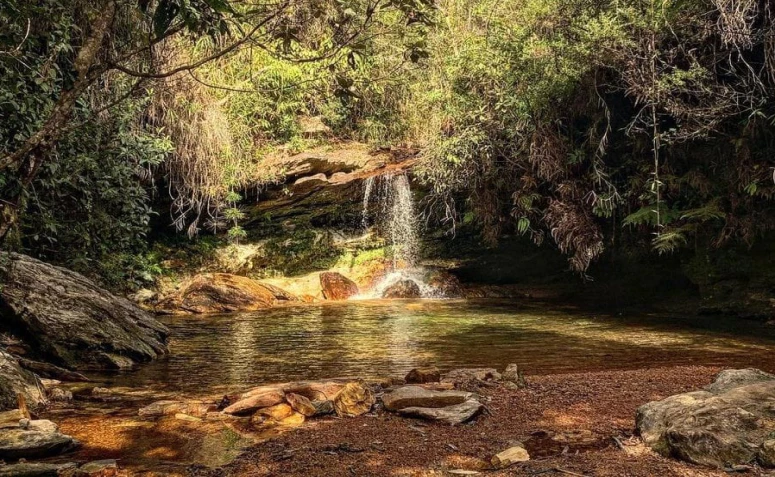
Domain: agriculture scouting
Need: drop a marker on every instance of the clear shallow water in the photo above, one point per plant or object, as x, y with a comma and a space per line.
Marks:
213, 354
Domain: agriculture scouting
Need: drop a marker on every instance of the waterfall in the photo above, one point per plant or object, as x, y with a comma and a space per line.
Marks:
388, 206
394, 216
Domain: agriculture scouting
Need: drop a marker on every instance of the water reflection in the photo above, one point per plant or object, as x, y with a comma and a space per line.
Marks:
217, 353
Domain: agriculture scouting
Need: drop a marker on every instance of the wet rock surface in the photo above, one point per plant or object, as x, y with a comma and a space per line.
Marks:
728, 423
403, 289
223, 293
69, 320
40, 439
336, 286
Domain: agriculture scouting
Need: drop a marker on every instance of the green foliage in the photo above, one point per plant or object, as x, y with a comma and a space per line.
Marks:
90, 207
547, 118
305, 251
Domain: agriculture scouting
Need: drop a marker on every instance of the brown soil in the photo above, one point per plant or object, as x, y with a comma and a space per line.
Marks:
568, 423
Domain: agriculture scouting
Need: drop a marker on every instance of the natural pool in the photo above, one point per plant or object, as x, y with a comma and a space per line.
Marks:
212, 354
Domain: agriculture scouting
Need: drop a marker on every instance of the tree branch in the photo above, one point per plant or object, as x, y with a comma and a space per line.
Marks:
63, 108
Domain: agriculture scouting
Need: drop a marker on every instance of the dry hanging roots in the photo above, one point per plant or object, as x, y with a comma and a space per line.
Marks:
353, 400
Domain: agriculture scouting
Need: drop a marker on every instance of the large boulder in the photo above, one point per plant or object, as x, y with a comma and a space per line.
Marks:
223, 293
15, 381
336, 286
728, 423
403, 289
68, 319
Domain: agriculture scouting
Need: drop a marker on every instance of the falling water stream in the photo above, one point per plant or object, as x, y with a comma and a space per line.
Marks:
389, 207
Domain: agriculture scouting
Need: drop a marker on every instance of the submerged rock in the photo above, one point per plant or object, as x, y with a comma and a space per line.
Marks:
452, 415
336, 286
403, 289
416, 396
15, 381
728, 423
170, 408
71, 321
36, 442
223, 293
98, 468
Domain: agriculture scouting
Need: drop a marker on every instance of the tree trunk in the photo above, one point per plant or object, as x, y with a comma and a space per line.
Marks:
35, 147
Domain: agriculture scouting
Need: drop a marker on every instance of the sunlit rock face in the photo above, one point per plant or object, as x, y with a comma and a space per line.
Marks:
223, 293
69, 320
336, 286
728, 423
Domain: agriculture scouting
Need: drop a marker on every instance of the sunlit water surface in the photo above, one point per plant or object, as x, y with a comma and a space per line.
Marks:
369, 339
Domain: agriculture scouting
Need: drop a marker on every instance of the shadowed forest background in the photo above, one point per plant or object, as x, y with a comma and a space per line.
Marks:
632, 141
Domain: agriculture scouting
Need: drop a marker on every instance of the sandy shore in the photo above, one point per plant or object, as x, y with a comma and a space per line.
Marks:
572, 424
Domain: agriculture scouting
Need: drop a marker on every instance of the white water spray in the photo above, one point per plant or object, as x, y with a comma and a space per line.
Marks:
387, 199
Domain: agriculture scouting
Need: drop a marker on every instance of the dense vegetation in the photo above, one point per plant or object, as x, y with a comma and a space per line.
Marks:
582, 123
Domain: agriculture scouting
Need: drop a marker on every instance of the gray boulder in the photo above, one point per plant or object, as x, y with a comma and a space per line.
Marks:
15, 381
731, 422
73, 322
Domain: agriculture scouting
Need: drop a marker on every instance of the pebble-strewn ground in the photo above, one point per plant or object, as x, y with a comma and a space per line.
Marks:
567, 422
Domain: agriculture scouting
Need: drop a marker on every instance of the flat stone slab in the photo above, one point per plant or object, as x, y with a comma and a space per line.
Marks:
255, 402
455, 414
416, 396
32, 444
37, 470
728, 423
